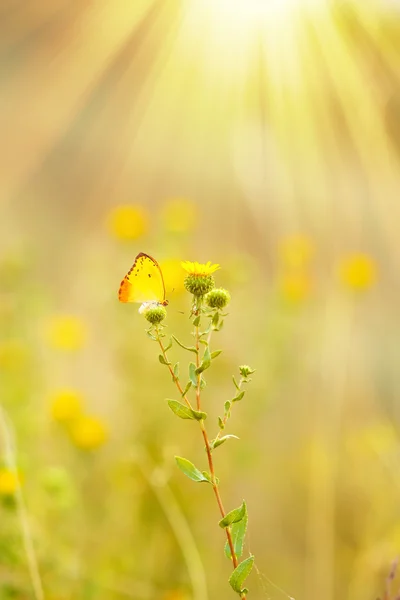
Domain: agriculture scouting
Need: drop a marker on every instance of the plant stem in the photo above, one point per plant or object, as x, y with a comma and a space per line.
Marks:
206, 440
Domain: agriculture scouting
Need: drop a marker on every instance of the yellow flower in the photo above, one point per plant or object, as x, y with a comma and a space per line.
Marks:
13, 355
195, 268
296, 251
9, 481
128, 222
357, 272
66, 332
175, 595
295, 287
89, 433
179, 215
172, 273
66, 405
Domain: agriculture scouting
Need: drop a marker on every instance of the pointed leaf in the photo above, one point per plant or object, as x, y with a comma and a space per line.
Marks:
187, 388
235, 383
238, 532
206, 362
221, 423
176, 370
215, 353
238, 397
192, 374
189, 469
234, 516
203, 383
151, 336
219, 441
240, 574
207, 476
215, 319
190, 348
181, 410
184, 412
162, 360
196, 321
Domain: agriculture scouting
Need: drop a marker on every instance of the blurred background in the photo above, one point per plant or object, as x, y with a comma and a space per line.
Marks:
260, 135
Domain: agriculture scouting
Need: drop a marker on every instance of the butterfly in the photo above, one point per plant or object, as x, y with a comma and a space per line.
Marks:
143, 283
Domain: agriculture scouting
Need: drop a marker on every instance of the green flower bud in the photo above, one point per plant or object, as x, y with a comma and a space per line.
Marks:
155, 314
245, 370
199, 285
218, 298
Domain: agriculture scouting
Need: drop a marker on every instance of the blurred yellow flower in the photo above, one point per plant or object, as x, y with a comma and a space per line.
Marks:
173, 277
13, 355
175, 595
357, 271
9, 481
295, 287
128, 222
296, 251
66, 332
66, 405
195, 268
89, 433
179, 215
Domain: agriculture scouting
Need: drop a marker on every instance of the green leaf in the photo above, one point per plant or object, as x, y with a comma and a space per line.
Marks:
192, 374
240, 574
204, 365
176, 370
187, 388
184, 412
219, 441
169, 345
190, 470
151, 336
215, 319
238, 532
181, 410
196, 321
162, 360
206, 361
190, 348
234, 516
221, 423
235, 383
199, 415
207, 476
215, 353
227, 406
238, 397
203, 383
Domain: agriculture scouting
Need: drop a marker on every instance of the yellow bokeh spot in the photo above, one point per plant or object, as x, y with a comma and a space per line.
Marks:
296, 251
128, 222
66, 332
357, 272
89, 433
295, 287
173, 276
13, 355
65, 406
175, 595
179, 215
9, 481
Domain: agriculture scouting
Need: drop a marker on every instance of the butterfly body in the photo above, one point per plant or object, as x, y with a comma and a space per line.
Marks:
144, 283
